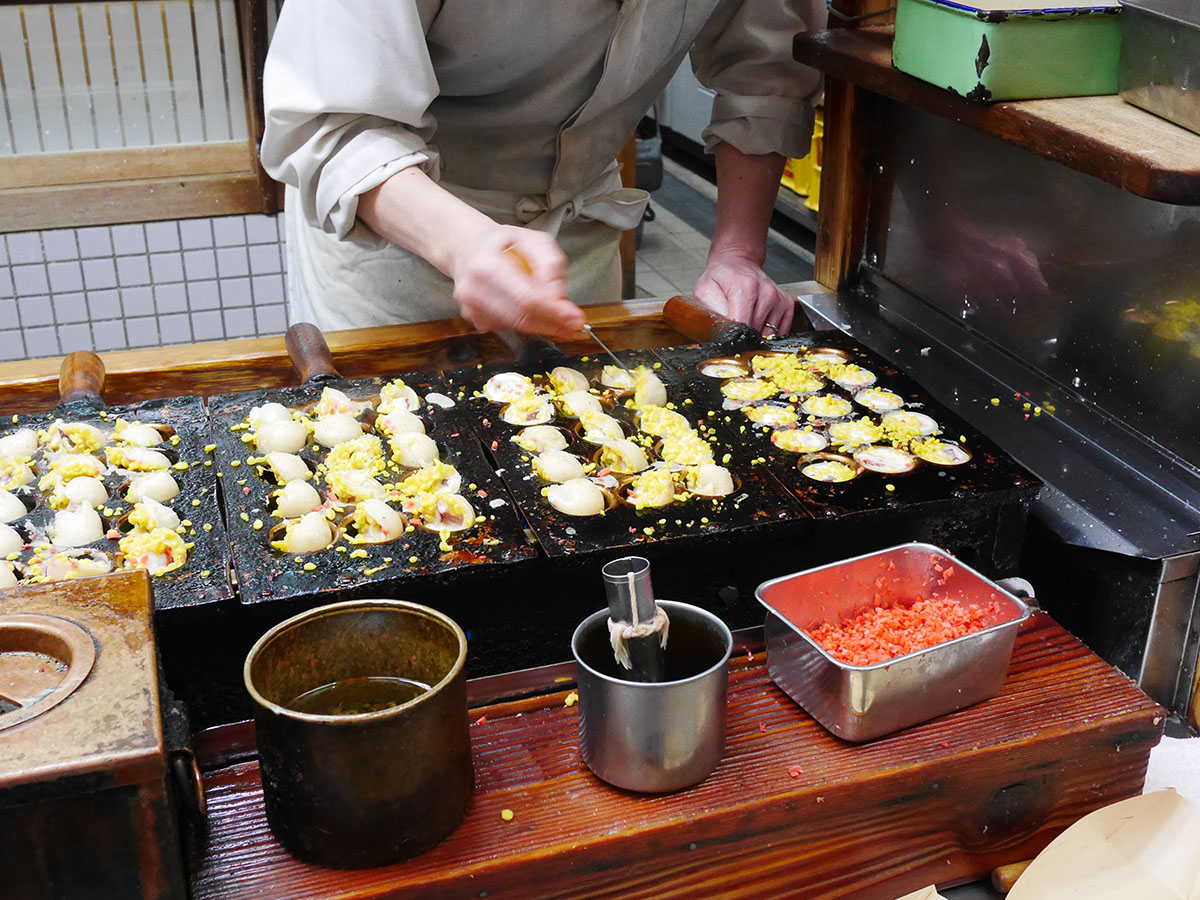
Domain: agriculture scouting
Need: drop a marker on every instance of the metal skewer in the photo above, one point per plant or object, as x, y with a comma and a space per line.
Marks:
592, 334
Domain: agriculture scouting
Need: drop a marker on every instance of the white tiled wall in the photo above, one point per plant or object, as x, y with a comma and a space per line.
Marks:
120, 286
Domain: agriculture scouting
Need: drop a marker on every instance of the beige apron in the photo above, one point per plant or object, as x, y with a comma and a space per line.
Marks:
338, 284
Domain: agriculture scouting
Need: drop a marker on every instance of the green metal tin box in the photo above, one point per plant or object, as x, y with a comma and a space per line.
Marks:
1010, 49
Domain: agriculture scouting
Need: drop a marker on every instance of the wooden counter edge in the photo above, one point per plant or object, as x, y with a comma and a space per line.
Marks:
28, 383
197, 356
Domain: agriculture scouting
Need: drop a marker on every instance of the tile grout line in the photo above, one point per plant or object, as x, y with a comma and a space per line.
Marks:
16, 299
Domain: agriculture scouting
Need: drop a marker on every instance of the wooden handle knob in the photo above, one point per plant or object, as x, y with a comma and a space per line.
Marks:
694, 321
81, 377
310, 354
1004, 877
701, 324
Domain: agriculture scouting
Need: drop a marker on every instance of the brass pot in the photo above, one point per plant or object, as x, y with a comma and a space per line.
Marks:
346, 783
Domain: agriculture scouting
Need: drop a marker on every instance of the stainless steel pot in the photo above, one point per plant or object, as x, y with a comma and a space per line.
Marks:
860, 703
660, 736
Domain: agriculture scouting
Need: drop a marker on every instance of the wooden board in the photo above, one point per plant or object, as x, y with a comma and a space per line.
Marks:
1102, 136
228, 366
134, 200
790, 812
221, 367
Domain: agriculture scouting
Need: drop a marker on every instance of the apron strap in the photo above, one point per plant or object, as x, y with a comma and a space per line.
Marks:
603, 200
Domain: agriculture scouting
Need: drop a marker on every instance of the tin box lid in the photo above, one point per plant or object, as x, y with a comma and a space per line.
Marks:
108, 731
989, 8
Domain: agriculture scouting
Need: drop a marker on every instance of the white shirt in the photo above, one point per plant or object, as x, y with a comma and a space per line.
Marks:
519, 107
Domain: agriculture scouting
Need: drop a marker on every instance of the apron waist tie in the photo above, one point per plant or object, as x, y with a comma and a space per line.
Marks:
619, 207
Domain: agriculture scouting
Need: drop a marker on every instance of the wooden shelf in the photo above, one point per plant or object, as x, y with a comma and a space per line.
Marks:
139, 184
1101, 136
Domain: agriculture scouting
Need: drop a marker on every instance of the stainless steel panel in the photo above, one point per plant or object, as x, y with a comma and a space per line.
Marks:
1057, 268
1160, 59
1170, 661
1105, 486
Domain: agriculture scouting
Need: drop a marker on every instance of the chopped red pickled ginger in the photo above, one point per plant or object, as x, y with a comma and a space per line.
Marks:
885, 632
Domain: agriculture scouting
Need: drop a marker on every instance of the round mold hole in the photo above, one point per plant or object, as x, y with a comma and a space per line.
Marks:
43, 659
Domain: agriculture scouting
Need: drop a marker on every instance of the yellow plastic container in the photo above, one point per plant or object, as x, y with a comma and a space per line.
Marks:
796, 175
803, 176
816, 157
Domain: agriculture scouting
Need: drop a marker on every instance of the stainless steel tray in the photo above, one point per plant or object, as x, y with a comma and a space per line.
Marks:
1160, 59
859, 703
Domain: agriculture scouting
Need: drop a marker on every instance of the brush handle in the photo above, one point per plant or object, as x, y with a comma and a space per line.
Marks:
81, 378
310, 354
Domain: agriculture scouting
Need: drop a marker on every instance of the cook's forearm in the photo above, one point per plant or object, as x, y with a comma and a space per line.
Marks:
746, 190
414, 212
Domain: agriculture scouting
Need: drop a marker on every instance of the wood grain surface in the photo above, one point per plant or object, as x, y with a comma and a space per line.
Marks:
845, 183
126, 164
1102, 136
221, 367
130, 200
224, 366
790, 812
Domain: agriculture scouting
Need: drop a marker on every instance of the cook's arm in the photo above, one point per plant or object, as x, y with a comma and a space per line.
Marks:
733, 281
356, 145
762, 113
494, 288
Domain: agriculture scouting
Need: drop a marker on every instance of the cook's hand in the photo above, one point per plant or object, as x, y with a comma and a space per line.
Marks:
507, 277
739, 289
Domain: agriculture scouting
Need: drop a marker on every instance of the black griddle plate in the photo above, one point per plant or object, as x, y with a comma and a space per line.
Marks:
991, 475
204, 578
757, 502
266, 574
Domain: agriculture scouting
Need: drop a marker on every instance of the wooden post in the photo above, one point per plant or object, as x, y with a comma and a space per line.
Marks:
845, 184
252, 28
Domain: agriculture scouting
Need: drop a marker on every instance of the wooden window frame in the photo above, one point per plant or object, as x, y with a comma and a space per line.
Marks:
144, 184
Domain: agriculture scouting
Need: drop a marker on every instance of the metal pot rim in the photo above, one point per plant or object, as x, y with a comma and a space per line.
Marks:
336, 609
670, 606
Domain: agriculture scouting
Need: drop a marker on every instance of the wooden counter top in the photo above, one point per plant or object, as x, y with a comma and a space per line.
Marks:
790, 812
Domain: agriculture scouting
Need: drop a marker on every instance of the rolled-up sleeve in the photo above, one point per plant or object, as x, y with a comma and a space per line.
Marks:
347, 87
764, 98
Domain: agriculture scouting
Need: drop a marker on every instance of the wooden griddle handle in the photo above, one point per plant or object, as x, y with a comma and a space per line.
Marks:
81, 377
692, 320
1004, 877
309, 352
698, 323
